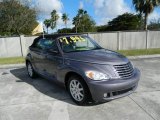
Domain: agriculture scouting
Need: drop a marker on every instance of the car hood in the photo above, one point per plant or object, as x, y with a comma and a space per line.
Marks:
101, 56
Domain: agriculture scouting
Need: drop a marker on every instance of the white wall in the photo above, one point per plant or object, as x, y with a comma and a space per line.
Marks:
106, 40
132, 40
153, 39
17, 46
10, 47
26, 42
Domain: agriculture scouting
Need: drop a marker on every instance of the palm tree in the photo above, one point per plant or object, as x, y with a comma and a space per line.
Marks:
47, 23
54, 19
65, 19
82, 12
145, 7
76, 22
79, 19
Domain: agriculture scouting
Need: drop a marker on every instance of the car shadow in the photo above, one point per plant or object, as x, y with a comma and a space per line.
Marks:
45, 86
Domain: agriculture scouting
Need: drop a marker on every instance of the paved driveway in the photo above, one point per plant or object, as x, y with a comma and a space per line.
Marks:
22, 98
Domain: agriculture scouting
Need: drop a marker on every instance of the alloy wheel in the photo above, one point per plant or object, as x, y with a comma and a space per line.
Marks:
76, 90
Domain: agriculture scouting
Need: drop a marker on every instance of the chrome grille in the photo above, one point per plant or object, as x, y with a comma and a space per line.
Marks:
124, 70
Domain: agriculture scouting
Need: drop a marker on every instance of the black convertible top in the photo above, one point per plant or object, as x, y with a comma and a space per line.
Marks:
54, 36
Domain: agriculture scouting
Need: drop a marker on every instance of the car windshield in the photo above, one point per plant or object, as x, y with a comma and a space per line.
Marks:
77, 44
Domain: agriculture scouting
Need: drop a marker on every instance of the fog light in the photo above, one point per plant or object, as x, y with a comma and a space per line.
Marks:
105, 95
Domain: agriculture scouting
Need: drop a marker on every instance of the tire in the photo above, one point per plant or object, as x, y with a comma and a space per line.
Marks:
30, 70
78, 90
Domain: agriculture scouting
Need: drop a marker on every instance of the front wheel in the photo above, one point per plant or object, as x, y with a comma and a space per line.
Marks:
78, 90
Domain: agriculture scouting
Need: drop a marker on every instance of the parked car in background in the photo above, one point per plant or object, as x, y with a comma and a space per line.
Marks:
85, 69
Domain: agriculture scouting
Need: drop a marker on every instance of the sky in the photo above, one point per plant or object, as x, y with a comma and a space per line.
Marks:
100, 10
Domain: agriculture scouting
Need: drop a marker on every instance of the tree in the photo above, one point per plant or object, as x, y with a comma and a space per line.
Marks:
54, 19
83, 22
145, 7
47, 23
102, 28
127, 21
65, 19
16, 18
142, 21
79, 18
65, 30
76, 22
154, 25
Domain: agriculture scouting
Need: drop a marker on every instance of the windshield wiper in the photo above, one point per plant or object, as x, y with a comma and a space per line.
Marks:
77, 51
83, 50
96, 48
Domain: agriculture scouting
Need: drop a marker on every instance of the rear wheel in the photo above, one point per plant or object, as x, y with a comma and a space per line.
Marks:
30, 70
78, 90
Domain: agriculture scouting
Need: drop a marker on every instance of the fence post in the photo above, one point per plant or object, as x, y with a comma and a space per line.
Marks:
118, 44
20, 39
147, 39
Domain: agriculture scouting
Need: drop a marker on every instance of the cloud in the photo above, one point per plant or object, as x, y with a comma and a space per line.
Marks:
61, 24
108, 9
103, 21
81, 5
45, 7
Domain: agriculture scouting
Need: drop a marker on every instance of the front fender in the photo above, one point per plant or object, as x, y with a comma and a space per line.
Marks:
80, 68
68, 67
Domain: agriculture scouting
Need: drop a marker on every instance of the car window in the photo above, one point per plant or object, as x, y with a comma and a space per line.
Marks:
40, 44
50, 44
77, 43
47, 44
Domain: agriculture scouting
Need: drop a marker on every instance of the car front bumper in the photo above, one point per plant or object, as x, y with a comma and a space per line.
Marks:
113, 89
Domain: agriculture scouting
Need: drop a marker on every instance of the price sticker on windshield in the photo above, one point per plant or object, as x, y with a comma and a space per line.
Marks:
66, 40
72, 38
82, 39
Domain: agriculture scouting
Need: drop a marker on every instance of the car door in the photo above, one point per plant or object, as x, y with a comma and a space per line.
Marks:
38, 55
53, 58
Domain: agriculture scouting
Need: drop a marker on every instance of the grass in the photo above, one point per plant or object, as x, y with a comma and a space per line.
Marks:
17, 60
139, 52
12, 60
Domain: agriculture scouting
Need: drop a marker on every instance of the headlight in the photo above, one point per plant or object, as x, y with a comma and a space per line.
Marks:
94, 75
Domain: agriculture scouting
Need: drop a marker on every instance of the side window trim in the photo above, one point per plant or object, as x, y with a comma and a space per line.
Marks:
53, 45
34, 45
41, 44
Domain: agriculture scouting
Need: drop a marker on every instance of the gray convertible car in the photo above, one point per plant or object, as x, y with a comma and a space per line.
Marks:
88, 71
